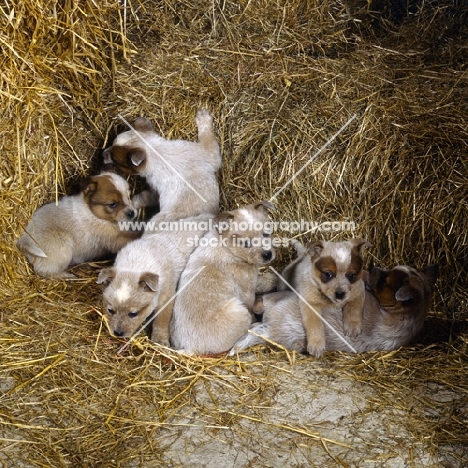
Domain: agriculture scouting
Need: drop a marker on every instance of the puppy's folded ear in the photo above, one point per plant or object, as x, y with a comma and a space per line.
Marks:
314, 248
143, 125
221, 221
264, 205
107, 159
406, 292
90, 186
432, 273
106, 275
149, 282
136, 156
360, 244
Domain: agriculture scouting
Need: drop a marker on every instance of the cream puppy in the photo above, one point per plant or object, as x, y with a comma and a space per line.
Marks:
183, 173
143, 279
327, 275
79, 228
396, 304
217, 288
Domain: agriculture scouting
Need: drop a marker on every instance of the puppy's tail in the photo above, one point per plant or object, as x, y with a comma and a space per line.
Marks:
250, 339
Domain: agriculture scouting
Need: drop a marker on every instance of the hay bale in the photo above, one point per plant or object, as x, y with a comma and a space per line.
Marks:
280, 78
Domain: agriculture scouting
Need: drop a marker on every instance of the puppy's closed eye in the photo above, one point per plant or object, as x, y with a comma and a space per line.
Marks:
110, 311
133, 314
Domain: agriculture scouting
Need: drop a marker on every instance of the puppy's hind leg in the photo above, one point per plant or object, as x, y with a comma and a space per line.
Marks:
207, 137
249, 339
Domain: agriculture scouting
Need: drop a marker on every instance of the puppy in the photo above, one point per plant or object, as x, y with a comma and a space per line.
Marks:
79, 228
144, 277
327, 275
396, 304
182, 172
217, 288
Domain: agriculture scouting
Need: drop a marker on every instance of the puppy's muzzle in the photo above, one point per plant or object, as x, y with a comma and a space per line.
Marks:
130, 214
340, 295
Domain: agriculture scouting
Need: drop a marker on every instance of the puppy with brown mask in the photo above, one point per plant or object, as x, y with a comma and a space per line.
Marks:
327, 275
142, 282
79, 228
183, 173
396, 304
217, 288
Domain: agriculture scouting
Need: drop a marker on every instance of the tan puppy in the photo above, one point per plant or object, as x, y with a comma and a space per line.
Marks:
144, 277
79, 228
214, 308
328, 277
182, 172
394, 313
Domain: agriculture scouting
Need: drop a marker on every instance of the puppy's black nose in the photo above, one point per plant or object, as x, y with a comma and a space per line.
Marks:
266, 255
340, 295
130, 214
118, 333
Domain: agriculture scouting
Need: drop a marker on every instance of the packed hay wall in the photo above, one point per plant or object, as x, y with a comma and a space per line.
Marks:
280, 78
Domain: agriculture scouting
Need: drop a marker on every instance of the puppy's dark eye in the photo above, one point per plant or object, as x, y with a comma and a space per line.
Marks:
112, 205
110, 311
327, 276
266, 234
133, 314
351, 277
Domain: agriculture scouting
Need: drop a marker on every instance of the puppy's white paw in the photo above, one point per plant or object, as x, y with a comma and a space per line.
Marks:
160, 338
352, 328
316, 348
204, 119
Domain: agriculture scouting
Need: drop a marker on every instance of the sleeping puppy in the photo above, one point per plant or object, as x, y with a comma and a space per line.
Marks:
396, 304
143, 279
183, 173
79, 228
327, 275
217, 288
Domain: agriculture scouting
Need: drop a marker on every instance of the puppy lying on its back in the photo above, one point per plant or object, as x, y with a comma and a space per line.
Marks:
396, 304
79, 228
217, 288
183, 173
144, 277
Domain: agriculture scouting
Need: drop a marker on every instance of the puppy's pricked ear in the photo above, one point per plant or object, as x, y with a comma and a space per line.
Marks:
143, 125
136, 156
314, 248
106, 275
432, 273
264, 205
221, 221
149, 281
360, 244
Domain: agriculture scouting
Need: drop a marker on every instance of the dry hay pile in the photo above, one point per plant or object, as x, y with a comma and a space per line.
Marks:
280, 77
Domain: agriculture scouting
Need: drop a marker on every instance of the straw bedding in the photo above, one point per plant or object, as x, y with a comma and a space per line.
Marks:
280, 79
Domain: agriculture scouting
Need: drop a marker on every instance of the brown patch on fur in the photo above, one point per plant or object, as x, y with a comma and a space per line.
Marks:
106, 201
128, 159
326, 266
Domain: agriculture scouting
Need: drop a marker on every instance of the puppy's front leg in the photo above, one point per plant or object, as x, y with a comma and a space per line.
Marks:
314, 329
160, 328
352, 316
